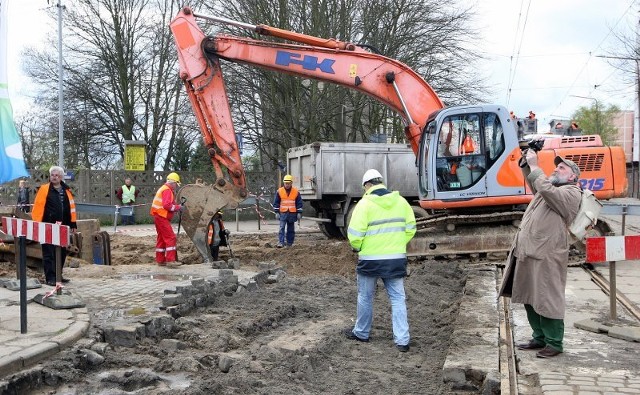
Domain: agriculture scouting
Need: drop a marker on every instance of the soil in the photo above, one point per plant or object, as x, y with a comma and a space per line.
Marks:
284, 338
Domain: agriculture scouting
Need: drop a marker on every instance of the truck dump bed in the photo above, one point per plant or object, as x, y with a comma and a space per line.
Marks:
322, 169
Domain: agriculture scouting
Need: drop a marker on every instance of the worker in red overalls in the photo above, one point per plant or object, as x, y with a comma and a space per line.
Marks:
162, 209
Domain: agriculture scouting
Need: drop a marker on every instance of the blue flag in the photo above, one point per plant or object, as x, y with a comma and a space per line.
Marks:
12, 164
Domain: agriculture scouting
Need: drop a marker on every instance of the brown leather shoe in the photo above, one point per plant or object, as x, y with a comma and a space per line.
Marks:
530, 345
548, 352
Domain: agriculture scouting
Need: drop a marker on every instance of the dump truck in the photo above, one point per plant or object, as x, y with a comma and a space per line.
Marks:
328, 176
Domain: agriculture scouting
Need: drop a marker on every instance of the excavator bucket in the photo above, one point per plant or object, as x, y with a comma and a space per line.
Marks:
201, 203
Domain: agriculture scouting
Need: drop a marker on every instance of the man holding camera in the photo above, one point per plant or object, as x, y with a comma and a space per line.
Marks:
536, 271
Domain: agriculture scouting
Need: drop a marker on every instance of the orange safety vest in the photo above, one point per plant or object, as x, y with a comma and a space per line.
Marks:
156, 206
288, 202
41, 200
467, 145
211, 231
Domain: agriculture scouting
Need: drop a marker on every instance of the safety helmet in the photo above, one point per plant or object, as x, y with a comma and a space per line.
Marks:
173, 177
369, 175
287, 178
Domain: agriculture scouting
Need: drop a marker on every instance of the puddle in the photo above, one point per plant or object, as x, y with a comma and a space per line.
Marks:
160, 277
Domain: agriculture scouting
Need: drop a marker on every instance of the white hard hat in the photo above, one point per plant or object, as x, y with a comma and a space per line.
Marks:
370, 175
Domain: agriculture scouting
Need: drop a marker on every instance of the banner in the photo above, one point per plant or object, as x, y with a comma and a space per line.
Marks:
12, 164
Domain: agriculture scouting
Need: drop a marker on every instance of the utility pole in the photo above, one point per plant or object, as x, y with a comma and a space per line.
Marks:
60, 92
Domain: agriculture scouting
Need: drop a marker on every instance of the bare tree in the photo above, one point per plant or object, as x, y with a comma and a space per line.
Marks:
120, 81
277, 111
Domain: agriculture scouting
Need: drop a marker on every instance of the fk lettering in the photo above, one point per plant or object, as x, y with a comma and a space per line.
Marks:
308, 62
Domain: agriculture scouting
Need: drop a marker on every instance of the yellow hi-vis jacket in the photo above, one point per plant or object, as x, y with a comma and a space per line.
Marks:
381, 225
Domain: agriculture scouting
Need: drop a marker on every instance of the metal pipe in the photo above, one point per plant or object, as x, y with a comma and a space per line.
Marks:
227, 21
404, 105
60, 92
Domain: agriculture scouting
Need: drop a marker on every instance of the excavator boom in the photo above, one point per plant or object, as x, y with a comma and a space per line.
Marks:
346, 64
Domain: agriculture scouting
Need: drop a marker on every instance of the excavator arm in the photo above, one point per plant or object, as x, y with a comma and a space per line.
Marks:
342, 63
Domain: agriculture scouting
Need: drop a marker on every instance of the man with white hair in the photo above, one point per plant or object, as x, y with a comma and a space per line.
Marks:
54, 203
536, 271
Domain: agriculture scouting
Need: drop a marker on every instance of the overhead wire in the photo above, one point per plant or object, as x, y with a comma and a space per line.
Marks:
586, 63
513, 50
512, 74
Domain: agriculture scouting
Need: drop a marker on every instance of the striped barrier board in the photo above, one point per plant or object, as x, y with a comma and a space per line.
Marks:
42, 232
613, 248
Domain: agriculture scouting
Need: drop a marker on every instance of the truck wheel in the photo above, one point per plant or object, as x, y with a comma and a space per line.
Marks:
347, 220
329, 228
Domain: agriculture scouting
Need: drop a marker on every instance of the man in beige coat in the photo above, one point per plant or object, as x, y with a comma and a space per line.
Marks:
536, 272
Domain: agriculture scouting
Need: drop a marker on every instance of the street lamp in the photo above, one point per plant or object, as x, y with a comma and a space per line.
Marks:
598, 126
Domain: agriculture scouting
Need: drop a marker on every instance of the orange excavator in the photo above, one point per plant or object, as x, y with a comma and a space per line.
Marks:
466, 156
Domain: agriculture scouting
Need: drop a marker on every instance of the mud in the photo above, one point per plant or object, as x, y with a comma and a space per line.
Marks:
284, 338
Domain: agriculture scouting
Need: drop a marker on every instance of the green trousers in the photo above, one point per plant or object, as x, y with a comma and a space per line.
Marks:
547, 331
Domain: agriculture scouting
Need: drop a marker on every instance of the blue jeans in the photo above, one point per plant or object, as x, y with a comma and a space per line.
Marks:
289, 221
395, 291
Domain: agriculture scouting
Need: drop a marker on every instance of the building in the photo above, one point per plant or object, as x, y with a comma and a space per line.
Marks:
623, 121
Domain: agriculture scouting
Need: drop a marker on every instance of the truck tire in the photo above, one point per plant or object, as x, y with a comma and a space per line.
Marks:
347, 220
330, 229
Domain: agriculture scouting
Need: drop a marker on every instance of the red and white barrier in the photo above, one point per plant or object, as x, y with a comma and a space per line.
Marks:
42, 232
613, 248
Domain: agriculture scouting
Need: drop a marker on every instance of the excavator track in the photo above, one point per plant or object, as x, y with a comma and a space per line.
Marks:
481, 236
459, 235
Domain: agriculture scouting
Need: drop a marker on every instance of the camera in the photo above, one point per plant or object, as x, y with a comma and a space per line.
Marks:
536, 145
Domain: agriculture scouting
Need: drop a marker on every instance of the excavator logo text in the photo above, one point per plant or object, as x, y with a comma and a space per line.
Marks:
307, 62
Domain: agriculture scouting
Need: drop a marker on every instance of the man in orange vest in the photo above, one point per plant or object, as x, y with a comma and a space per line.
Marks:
216, 235
162, 209
288, 207
54, 204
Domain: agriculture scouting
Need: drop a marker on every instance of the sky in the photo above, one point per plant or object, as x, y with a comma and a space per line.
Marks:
549, 51
545, 50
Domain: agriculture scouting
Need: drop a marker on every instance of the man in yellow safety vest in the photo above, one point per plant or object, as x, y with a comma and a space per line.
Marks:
127, 195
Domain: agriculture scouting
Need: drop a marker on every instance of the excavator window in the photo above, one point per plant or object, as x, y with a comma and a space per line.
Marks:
461, 154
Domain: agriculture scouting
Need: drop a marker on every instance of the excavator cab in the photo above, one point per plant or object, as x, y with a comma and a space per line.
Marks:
468, 153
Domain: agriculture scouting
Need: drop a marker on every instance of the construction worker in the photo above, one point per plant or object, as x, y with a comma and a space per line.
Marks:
216, 235
287, 205
127, 195
381, 226
468, 146
532, 115
162, 209
54, 204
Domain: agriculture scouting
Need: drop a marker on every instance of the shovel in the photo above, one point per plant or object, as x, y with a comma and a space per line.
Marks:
229, 246
183, 200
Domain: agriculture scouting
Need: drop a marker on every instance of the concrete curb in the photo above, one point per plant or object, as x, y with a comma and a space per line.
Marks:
472, 362
42, 349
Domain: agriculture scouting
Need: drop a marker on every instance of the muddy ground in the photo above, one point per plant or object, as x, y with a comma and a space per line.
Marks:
285, 338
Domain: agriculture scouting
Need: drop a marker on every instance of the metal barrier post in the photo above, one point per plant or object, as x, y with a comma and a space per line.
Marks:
115, 219
59, 268
258, 210
22, 240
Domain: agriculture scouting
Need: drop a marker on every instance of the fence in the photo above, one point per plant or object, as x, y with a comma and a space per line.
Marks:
99, 187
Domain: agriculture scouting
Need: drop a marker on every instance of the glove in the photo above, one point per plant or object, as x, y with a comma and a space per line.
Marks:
299, 216
227, 232
278, 216
180, 208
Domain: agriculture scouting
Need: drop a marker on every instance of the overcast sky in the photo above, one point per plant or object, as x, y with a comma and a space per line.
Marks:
557, 51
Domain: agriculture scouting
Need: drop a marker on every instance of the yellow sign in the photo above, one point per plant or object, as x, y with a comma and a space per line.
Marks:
134, 157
